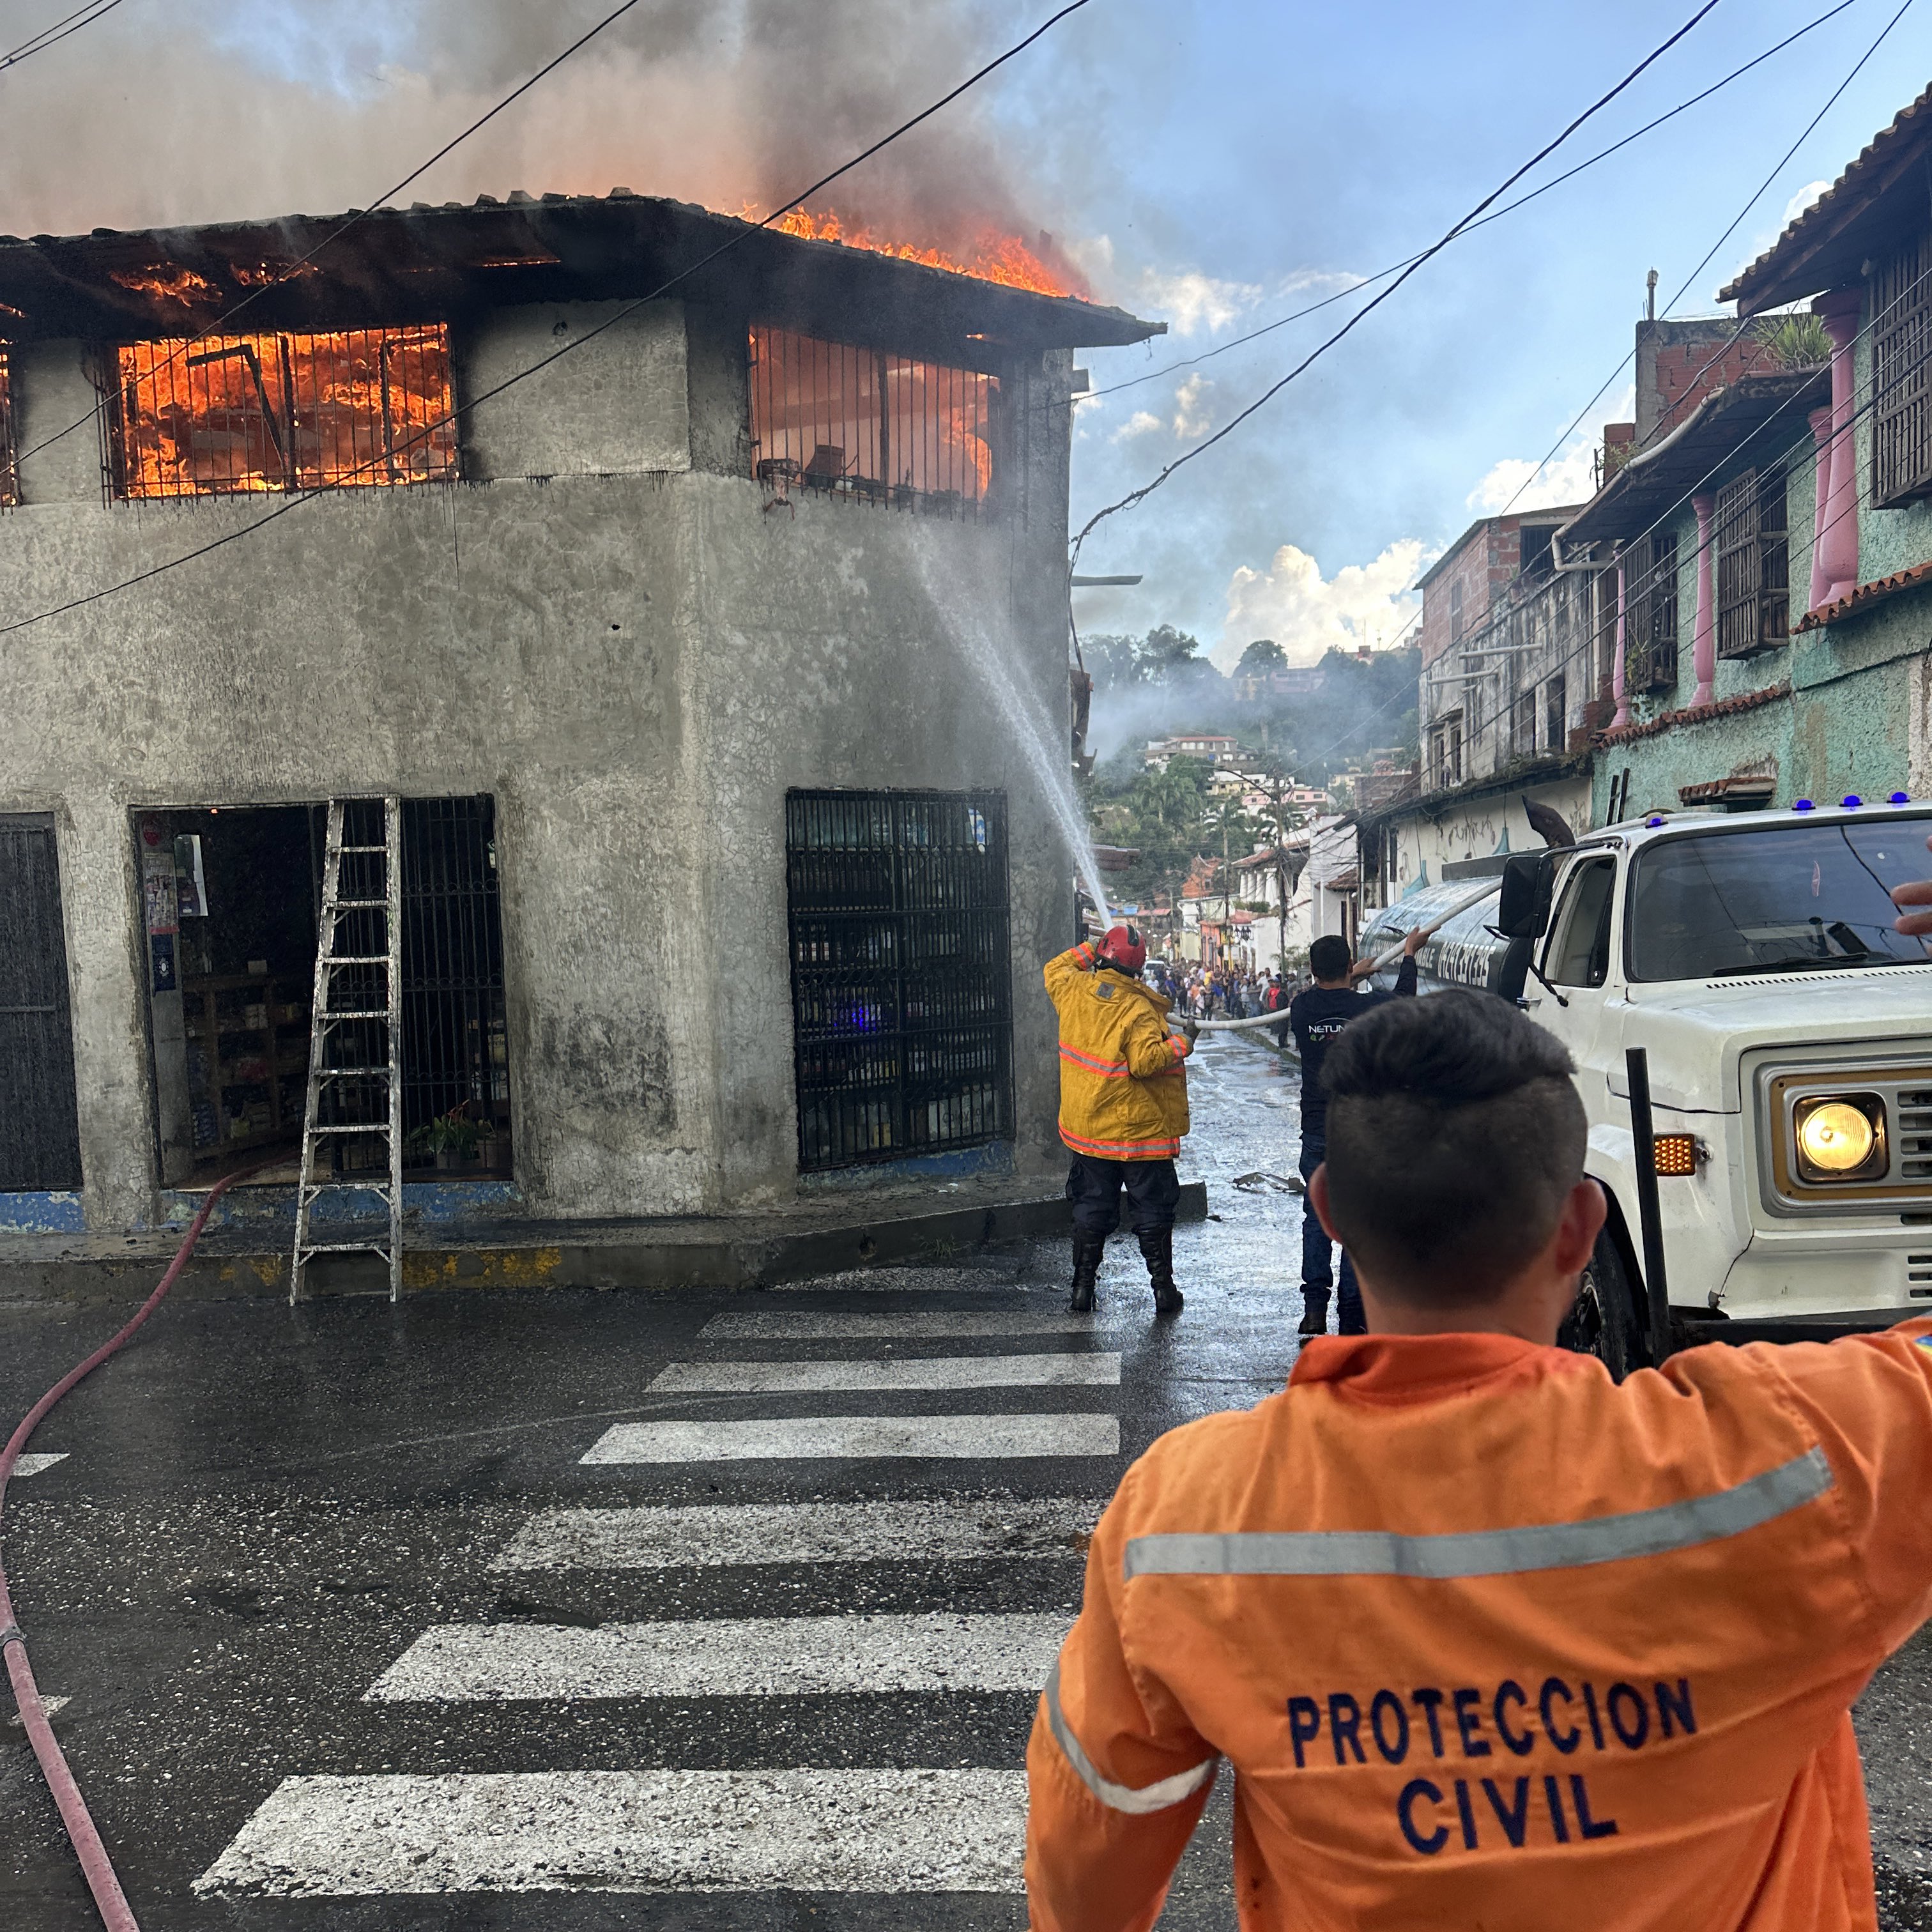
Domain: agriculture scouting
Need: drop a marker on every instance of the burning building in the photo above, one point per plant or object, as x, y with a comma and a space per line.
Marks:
722, 877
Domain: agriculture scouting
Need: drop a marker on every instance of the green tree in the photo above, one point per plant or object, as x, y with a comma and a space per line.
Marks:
1264, 655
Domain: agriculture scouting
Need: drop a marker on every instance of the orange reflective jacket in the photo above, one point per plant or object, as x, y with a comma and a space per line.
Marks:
1123, 1082
1489, 1640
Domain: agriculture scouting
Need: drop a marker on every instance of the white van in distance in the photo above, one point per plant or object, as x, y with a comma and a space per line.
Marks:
1788, 1034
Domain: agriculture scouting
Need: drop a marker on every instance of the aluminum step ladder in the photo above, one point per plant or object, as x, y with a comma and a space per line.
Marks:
354, 1053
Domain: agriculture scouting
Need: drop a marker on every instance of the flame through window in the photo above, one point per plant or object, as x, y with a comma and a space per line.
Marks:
828, 415
232, 414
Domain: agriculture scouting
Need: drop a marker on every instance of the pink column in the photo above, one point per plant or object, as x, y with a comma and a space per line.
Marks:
1821, 434
1619, 666
1704, 637
1835, 546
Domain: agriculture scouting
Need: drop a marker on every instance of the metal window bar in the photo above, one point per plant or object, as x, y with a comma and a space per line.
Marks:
867, 426
1901, 360
1556, 713
454, 1057
10, 466
901, 973
234, 415
1522, 725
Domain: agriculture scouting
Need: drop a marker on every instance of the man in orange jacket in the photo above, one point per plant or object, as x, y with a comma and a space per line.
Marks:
1123, 1107
1488, 1639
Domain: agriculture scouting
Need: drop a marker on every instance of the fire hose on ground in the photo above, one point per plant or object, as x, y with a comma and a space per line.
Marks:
1382, 962
96, 1866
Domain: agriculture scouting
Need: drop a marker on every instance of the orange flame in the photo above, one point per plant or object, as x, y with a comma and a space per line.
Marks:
1004, 259
166, 282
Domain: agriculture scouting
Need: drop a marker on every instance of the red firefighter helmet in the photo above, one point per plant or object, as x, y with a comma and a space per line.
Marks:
1124, 947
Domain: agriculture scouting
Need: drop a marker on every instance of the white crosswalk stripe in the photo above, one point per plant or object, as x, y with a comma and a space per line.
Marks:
869, 1324
751, 1657
916, 1371
881, 1829
958, 1437
808, 1830
667, 1537
32, 1465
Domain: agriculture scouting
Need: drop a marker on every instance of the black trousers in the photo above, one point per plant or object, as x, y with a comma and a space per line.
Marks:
1094, 1185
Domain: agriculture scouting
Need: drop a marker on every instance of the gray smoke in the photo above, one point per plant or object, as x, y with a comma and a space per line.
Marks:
174, 111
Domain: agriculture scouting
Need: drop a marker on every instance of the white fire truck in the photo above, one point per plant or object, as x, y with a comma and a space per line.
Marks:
1785, 1032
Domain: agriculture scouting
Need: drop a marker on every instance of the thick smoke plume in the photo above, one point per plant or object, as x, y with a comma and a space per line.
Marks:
175, 112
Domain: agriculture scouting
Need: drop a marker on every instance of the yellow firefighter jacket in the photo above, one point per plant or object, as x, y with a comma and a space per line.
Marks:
1123, 1076
1489, 1640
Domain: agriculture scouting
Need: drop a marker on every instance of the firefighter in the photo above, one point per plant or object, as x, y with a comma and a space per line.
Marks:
1123, 1107
1486, 1638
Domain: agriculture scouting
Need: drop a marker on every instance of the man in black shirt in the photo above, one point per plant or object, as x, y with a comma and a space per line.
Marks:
1317, 1018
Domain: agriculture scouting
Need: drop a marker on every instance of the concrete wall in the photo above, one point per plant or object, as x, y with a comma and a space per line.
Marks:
612, 632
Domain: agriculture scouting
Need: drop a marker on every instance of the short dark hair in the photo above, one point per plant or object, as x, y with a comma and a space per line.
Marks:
1331, 957
1455, 1133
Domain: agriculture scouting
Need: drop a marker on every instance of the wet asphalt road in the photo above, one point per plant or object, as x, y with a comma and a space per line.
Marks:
260, 1512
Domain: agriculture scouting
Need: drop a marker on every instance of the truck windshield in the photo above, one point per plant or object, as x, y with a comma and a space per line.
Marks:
1787, 899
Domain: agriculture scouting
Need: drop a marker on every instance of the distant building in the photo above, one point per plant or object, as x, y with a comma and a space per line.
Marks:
1211, 750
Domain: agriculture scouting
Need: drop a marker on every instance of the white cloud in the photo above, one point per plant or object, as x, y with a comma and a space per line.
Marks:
1190, 410
1306, 614
1568, 477
1801, 201
1138, 424
1191, 302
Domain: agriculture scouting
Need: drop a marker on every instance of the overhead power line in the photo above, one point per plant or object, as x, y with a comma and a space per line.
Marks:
1495, 215
48, 37
1756, 195
296, 501
1268, 395
356, 216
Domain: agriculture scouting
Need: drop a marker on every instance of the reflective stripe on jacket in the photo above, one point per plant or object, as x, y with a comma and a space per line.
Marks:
1123, 1082
1493, 1641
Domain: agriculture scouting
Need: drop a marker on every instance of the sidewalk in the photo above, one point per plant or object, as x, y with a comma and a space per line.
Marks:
744, 1250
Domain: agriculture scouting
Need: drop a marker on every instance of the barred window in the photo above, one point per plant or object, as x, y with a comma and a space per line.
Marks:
1650, 640
863, 425
901, 973
230, 415
1901, 341
10, 467
1456, 612
1445, 751
1754, 579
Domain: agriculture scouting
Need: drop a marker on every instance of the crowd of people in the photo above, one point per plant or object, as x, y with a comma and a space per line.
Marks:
1220, 992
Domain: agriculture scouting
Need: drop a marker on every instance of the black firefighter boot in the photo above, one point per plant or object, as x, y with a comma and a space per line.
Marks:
1157, 1250
1314, 1311
1087, 1250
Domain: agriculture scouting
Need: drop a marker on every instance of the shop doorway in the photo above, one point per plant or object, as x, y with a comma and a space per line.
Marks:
231, 897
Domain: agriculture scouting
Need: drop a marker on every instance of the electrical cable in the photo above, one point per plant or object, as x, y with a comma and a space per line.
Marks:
297, 499
1146, 490
1495, 215
355, 216
1810, 126
95, 1864
48, 37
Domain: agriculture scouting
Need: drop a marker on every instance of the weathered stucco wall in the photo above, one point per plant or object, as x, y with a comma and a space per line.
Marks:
636, 665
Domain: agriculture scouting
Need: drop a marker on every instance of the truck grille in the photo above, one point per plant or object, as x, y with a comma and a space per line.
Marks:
1912, 1130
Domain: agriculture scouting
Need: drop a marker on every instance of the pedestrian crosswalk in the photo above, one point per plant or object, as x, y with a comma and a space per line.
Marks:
906, 1602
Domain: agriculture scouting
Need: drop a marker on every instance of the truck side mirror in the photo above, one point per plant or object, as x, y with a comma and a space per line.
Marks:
1524, 910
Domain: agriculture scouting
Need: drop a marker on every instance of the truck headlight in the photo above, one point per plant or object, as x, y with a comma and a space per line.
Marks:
1840, 1136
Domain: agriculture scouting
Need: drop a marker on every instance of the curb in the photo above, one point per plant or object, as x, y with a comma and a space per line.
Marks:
722, 1258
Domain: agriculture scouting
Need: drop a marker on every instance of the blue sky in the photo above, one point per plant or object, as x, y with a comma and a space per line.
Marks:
1216, 165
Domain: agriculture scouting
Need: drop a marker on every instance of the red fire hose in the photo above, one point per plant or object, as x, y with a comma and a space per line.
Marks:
95, 1863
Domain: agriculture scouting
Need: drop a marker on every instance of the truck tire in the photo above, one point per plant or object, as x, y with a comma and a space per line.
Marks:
1602, 1320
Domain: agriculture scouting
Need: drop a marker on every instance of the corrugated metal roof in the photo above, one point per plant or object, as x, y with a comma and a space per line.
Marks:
409, 264
1650, 485
1826, 246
